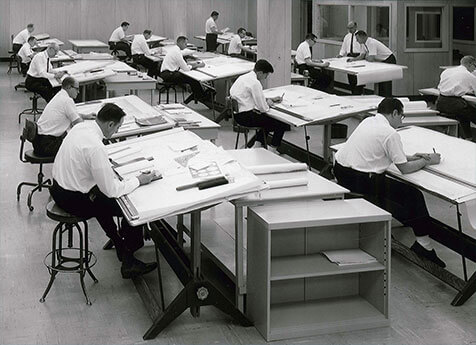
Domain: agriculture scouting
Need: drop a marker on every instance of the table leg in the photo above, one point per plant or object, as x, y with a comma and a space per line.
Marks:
180, 230
239, 259
195, 253
326, 143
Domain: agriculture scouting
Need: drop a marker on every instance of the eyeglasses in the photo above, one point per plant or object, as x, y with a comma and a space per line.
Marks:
76, 88
402, 116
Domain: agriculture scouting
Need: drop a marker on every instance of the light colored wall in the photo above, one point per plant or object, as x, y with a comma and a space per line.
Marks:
83, 19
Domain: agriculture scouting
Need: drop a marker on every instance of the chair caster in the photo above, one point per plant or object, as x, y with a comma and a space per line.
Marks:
31, 208
42, 300
89, 303
96, 281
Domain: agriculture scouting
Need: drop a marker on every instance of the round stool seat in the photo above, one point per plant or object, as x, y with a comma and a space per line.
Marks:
54, 212
31, 157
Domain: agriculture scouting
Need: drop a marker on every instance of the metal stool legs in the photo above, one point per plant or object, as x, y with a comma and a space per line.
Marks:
34, 110
38, 186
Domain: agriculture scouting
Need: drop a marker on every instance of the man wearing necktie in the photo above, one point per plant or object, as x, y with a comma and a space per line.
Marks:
351, 48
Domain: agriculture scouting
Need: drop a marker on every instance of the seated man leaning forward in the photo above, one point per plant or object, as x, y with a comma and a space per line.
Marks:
59, 116
361, 163
252, 104
85, 185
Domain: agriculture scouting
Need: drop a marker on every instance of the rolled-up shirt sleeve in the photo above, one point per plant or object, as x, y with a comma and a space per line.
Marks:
394, 149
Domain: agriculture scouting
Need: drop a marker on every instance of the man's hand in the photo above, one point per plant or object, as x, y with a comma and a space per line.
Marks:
198, 65
59, 75
325, 64
90, 116
434, 158
350, 59
146, 177
339, 56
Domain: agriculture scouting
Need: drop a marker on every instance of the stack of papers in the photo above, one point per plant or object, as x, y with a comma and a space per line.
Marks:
345, 257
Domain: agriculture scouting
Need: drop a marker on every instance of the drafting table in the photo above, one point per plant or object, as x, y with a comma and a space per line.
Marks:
41, 36
88, 56
435, 92
132, 82
86, 46
43, 44
149, 204
155, 39
225, 38
454, 181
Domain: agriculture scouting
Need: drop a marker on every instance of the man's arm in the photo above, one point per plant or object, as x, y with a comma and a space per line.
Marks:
360, 57
418, 164
260, 101
320, 63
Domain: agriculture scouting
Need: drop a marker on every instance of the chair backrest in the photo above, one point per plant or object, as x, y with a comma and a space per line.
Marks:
29, 131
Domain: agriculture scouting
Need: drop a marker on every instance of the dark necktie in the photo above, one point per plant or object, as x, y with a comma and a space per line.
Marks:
47, 64
352, 44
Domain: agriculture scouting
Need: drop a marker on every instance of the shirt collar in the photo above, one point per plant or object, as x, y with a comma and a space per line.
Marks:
381, 118
97, 130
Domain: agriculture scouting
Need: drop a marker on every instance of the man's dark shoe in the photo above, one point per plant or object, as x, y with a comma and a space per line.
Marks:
428, 254
136, 268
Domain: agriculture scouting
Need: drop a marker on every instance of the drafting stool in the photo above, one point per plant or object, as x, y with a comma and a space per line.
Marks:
232, 106
68, 259
29, 133
165, 86
13, 60
34, 110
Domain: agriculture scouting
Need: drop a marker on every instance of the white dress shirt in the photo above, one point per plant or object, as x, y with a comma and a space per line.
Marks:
303, 52
248, 92
22, 37
345, 48
209, 24
59, 114
40, 66
376, 48
372, 147
25, 52
174, 61
139, 45
82, 162
235, 45
457, 81
117, 35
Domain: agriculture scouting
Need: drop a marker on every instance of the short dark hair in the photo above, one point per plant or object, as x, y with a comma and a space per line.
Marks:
147, 32
389, 104
30, 25
361, 33
181, 39
311, 36
31, 38
125, 24
264, 66
67, 82
240, 30
214, 13
110, 112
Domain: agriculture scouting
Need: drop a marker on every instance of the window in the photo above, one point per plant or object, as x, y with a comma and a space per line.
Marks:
375, 20
424, 27
463, 23
333, 22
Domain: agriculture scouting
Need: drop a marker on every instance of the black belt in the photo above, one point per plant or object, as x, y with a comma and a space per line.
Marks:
357, 172
137, 55
450, 96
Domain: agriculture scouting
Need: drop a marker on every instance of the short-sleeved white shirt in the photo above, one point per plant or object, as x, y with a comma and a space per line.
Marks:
59, 114
372, 147
21, 37
303, 52
376, 48
209, 24
235, 45
457, 81
248, 92
117, 35
25, 52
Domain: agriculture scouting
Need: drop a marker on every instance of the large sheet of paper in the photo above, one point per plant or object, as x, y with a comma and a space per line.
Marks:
367, 72
220, 67
88, 43
160, 198
84, 66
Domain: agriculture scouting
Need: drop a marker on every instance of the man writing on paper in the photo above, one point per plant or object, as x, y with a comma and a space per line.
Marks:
320, 80
252, 105
455, 83
140, 53
361, 163
40, 71
22, 37
119, 40
26, 53
351, 48
85, 185
212, 32
236, 46
374, 50
59, 116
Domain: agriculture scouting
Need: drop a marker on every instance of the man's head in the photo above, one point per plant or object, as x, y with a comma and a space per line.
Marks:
361, 36
109, 118
392, 109
32, 41
71, 86
311, 39
30, 27
52, 50
352, 27
125, 26
182, 42
241, 32
262, 69
214, 15
469, 62
147, 34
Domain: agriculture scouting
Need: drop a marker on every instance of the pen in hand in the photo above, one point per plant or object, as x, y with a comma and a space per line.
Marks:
434, 151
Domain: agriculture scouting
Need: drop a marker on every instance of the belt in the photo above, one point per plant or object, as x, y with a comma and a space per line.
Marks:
357, 172
450, 96
137, 55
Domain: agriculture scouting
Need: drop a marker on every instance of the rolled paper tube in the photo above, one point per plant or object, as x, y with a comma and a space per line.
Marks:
276, 168
292, 182
417, 105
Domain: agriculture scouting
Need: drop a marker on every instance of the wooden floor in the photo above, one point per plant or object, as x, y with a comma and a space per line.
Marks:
419, 304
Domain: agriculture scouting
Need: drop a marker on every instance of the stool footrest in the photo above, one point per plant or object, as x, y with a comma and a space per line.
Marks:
88, 261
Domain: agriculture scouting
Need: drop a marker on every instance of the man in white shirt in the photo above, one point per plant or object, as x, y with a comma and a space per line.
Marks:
361, 163
119, 40
59, 116
40, 71
319, 79
374, 50
236, 46
247, 90
351, 48
140, 52
174, 62
26, 53
85, 185
212, 32
22, 37
454, 83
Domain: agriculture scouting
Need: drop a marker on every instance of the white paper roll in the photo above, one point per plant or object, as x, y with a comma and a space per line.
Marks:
293, 182
417, 105
276, 168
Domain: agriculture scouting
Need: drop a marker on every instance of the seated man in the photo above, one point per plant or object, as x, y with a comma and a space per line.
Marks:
374, 50
22, 37
60, 115
26, 53
361, 163
455, 83
84, 185
119, 40
140, 52
252, 104
236, 47
40, 71
174, 61
321, 80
